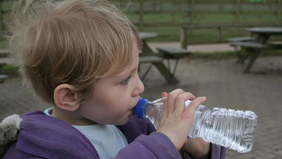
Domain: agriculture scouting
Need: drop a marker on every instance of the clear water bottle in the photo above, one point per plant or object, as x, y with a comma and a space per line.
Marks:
233, 129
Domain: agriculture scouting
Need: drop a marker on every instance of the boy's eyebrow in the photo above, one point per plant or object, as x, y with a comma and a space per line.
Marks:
133, 69
123, 73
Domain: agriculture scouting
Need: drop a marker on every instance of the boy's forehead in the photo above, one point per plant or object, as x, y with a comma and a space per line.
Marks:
122, 73
132, 66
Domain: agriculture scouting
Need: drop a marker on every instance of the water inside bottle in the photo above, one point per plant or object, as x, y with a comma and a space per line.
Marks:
230, 128
154, 113
226, 127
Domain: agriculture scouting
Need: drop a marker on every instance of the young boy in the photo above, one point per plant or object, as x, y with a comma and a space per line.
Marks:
82, 57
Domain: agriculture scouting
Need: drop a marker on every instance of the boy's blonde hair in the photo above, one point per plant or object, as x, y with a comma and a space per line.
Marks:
71, 41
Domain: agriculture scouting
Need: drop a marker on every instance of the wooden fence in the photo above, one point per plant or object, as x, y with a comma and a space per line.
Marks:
167, 17
194, 9
184, 31
229, 17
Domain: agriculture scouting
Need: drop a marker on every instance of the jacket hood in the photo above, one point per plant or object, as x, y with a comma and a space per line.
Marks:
9, 129
36, 134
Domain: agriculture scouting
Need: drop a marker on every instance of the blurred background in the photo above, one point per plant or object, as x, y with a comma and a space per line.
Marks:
201, 26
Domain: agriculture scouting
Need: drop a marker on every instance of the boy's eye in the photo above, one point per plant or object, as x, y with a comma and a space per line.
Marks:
125, 82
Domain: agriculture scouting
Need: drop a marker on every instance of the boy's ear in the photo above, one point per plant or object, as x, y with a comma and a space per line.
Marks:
66, 97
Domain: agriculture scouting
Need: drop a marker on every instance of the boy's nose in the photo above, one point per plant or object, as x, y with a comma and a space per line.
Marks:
139, 88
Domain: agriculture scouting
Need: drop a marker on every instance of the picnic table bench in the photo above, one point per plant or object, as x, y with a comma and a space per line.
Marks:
240, 39
153, 60
248, 49
169, 53
2, 76
275, 44
3, 54
156, 58
251, 47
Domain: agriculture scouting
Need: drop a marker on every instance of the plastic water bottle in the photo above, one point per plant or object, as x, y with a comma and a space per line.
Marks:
233, 129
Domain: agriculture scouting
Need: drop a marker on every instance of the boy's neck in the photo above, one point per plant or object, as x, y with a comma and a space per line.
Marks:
71, 118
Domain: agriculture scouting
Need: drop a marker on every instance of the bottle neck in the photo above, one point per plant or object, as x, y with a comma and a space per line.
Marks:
157, 104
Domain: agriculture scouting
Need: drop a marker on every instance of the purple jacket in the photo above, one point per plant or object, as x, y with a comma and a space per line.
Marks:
43, 136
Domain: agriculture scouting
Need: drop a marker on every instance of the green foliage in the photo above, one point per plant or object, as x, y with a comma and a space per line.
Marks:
4, 43
7, 5
10, 70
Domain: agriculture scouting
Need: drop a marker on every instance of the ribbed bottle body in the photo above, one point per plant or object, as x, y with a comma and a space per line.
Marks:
230, 128
234, 129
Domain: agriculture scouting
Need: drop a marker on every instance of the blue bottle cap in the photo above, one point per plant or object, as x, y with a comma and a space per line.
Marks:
139, 108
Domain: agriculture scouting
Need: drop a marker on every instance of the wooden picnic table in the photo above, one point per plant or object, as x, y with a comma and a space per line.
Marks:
148, 55
262, 35
252, 46
144, 36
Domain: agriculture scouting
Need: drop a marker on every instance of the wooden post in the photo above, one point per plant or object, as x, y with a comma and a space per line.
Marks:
183, 38
219, 34
279, 12
238, 6
192, 15
141, 12
192, 12
1, 15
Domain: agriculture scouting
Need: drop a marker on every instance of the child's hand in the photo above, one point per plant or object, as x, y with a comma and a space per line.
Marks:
197, 148
176, 120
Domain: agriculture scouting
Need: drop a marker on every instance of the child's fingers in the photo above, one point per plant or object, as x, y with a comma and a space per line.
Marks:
171, 99
180, 102
164, 94
191, 109
165, 113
